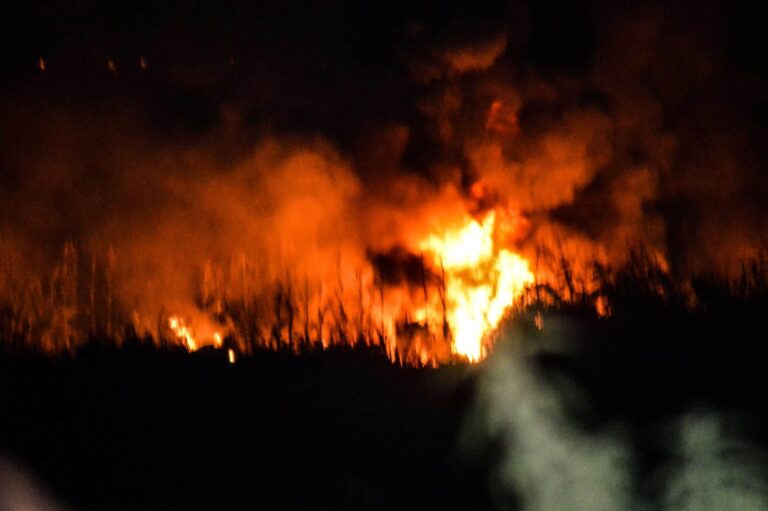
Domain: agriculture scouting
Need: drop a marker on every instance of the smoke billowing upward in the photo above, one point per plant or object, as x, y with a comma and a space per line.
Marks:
552, 450
196, 156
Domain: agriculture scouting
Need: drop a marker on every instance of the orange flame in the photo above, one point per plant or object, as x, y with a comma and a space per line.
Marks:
186, 335
481, 282
183, 332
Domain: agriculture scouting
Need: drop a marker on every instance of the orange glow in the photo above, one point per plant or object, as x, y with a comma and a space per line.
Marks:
502, 120
602, 307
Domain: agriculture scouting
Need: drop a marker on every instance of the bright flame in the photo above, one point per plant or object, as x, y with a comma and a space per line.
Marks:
195, 338
481, 282
183, 332
476, 278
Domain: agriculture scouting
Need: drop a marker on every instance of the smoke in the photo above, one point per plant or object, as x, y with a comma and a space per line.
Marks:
547, 460
20, 492
250, 152
148, 221
553, 451
715, 465
624, 143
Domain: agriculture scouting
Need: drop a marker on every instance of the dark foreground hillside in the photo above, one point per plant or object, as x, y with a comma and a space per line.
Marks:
663, 409
141, 429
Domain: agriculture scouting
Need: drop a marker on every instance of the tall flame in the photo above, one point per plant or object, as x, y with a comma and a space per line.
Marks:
481, 281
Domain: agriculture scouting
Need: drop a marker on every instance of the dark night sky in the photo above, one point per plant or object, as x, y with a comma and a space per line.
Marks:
316, 66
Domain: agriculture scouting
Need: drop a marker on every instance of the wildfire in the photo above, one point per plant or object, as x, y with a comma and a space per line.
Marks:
184, 332
480, 280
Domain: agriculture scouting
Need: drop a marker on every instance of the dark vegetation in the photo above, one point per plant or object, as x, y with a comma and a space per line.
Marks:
146, 427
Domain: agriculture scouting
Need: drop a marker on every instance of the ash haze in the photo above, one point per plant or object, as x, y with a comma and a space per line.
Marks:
293, 141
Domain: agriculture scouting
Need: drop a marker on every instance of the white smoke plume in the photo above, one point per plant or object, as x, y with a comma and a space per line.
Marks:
549, 460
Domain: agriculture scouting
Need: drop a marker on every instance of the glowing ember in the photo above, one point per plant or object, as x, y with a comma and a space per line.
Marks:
481, 282
231, 355
602, 307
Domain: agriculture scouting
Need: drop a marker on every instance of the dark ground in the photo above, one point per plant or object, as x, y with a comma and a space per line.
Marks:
138, 428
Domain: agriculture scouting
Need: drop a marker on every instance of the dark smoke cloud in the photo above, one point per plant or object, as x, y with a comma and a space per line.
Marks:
647, 134
304, 135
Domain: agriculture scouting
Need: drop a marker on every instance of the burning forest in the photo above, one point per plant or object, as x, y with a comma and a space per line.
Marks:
433, 186
415, 229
